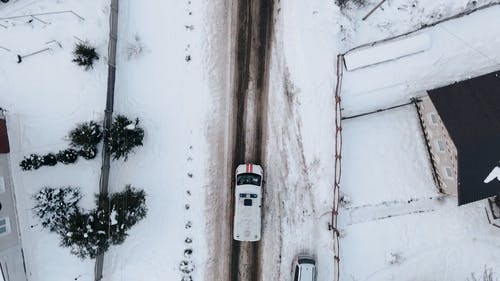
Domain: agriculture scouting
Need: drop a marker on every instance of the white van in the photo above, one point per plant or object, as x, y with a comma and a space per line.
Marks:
304, 268
248, 203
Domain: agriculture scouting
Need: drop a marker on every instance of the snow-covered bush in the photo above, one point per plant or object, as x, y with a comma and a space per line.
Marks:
86, 135
67, 156
85, 138
34, 161
49, 159
89, 234
85, 55
54, 206
127, 208
88, 152
86, 234
123, 137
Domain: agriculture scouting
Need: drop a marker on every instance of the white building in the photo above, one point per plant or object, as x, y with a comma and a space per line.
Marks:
11, 254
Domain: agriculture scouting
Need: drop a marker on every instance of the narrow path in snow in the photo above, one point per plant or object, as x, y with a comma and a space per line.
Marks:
391, 209
253, 30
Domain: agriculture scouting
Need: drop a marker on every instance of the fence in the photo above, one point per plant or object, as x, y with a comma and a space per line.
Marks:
35, 16
338, 167
108, 116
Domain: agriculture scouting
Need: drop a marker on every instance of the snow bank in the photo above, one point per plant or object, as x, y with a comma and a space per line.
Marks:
386, 51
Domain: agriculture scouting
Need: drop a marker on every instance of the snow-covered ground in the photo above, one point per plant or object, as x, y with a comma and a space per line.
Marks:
162, 57
395, 17
166, 86
46, 95
173, 75
394, 221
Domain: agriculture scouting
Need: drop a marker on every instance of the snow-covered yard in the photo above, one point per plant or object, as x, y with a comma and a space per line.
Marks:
162, 57
393, 220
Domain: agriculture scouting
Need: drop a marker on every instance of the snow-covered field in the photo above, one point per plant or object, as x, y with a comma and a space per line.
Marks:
173, 74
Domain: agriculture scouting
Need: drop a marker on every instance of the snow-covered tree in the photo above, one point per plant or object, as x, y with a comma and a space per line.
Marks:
54, 206
67, 156
87, 134
86, 234
123, 137
85, 55
89, 234
127, 208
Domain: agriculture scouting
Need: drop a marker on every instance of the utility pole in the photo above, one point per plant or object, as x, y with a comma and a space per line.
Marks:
108, 119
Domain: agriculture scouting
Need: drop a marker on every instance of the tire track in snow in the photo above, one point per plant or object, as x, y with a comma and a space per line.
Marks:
253, 31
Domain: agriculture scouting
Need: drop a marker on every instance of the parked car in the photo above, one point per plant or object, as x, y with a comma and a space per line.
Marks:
5, 1
248, 203
304, 268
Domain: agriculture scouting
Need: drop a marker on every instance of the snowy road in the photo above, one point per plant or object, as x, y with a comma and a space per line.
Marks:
253, 30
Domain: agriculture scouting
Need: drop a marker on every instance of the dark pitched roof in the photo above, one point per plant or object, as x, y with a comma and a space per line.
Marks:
4, 140
470, 110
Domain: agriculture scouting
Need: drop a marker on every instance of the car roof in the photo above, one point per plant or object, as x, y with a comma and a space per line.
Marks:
249, 168
306, 272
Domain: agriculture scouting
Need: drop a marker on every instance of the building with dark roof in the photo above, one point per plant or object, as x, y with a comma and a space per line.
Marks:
468, 114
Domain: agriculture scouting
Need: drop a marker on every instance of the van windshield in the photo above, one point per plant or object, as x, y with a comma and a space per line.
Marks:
248, 178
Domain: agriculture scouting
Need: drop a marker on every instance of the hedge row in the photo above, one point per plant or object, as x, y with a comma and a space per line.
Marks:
67, 156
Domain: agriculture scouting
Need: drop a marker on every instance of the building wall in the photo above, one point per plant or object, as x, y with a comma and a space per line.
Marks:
442, 149
11, 257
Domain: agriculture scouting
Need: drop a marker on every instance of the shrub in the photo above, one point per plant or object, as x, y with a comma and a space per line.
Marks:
86, 234
67, 156
88, 152
86, 135
34, 161
85, 55
127, 208
50, 159
89, 234
123, 137
54, 206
